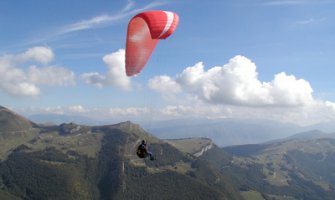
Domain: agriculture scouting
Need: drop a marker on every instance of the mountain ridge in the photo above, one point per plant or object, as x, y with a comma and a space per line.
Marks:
74, 161
224, 132
10, 121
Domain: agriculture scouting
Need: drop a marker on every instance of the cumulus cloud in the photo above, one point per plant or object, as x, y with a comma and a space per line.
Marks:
236, 83
19, 82
131, 111
318, 112
77, 109
53, 76
116, 75
59, 110
302, 115
235, 91
164, 85
98, 113
39, 54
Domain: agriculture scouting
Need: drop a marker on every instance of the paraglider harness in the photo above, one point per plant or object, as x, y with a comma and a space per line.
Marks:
143, 152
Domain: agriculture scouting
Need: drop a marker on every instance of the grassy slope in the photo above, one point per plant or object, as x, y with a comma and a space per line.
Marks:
190, 145
14, 131
292, 168
252, 195
100, 163
10, 121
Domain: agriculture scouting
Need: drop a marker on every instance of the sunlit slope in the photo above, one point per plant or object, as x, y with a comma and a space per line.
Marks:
193, 146
14, 131
10, 121
297, 168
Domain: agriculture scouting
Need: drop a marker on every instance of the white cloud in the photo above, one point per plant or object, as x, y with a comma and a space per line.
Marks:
94, 22
20, 88
89, 24
330, 105
94, 78
18, 82
237, 83
303, 115
194, 109
131, 111
59, 110
53, 76
287, 90
310, 21
116, 75
98, 113
39, 54
77, 109
306, 21
104, 20
129, 6
164, 85
235, 91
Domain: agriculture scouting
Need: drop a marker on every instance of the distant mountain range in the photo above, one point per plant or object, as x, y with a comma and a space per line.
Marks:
60, 119
74, 161
224, 132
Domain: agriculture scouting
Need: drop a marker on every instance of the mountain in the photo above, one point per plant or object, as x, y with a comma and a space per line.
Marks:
193, 146
59, 119
14, 130
73, 161
328, 127
10, 121
313, 134
224, 132
300, 167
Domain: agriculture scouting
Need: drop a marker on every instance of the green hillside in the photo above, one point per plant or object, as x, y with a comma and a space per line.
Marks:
294, 168
72, 161
14, 131
10, 121
190, 145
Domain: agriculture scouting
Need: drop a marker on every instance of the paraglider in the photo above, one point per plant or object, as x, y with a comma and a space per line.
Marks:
144, 31
142, 151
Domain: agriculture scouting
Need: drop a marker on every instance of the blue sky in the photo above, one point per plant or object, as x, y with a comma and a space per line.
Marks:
246, 59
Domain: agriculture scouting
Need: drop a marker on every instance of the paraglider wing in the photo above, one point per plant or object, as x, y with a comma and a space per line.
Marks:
144, 31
